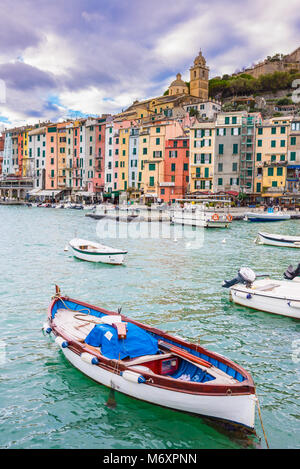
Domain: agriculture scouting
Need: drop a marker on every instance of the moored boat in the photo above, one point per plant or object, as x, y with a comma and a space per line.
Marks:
278, 240
269, 216
199, 218
96, 252
265, 294
151, 365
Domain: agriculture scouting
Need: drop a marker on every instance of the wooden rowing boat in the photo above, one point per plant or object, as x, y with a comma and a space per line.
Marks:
149, 364
96, 252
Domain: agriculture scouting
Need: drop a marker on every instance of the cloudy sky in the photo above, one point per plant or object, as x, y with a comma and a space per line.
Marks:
67, 58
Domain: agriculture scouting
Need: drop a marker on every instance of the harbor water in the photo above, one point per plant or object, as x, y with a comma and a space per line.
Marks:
46, 403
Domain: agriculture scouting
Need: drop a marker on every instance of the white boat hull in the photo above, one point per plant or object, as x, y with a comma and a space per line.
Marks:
266, 217
283, 303
94, 252
276, 240
200, 222
237, 409
104, 259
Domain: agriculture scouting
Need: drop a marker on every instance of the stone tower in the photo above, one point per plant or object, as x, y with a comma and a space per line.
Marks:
199, 78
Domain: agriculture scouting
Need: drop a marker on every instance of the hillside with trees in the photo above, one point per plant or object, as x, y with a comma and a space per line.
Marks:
245, 85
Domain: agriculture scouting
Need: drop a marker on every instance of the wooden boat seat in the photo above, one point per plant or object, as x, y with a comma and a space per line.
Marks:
146, 358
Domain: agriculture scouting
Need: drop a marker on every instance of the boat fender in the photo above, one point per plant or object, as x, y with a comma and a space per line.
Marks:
61, 342
240, 294
89, 358
215, 217
249, 296
133, 377
46, 328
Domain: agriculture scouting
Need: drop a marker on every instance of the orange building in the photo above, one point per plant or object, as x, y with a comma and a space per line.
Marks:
176, 170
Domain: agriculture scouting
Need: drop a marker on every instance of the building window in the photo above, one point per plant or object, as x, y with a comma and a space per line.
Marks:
151, 181
282, 143
258, 157
220, 182
280, 170
274, 183
293, 155
259, 143
270, 171
293, 140
173, 166
235, 149
273, 131
221, 148
273, 143
152, 167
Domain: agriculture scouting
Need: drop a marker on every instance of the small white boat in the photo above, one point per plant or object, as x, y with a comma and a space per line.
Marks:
278, 240
96, 252
266, 216
269, 295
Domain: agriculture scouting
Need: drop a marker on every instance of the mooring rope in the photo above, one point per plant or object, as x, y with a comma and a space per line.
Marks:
261, 422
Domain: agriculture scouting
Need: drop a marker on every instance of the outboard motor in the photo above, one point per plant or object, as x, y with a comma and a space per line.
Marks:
291, 273
245, 275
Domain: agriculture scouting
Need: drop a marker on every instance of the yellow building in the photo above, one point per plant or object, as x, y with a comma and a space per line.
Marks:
271, 156
26, 170
202, 138
123, 159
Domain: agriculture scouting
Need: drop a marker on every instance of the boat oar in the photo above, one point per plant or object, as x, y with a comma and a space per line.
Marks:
184, 354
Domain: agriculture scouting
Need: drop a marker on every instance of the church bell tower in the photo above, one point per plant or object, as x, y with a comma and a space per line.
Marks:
199, 74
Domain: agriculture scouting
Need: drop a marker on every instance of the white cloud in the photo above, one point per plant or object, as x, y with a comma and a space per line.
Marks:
54, 54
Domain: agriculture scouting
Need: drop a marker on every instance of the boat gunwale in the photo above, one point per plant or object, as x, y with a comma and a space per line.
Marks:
278, 239
254, 292
246, 387
109, 253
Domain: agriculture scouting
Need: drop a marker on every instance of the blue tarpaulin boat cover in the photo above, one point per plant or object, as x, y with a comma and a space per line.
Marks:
138, 342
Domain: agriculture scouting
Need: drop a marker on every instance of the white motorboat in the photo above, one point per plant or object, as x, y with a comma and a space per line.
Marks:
96, 252
200, 218
265, 294
278, 240
269, 216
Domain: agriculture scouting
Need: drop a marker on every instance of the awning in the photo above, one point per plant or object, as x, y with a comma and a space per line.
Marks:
48, 193
33, 191
85, 193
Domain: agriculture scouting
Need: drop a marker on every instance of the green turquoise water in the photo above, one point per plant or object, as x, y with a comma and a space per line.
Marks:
46, 403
